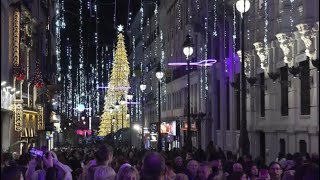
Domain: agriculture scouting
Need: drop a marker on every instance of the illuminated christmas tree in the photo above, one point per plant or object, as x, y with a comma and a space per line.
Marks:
114, 116
37, 77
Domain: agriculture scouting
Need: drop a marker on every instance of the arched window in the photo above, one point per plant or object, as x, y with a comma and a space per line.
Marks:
302, 146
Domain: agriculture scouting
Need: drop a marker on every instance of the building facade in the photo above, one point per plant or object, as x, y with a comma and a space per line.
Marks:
281, 65
25, 31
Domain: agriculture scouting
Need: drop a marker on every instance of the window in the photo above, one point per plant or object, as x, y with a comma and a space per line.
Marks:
305, 88
262, 96
282, 143
284, 91
302, 146
238, 104
228, 104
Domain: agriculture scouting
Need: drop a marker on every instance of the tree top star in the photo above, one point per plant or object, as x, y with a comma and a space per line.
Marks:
120, 28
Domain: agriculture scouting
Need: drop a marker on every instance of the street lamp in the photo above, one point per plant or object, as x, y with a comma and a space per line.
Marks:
244, 143
142, 88
159, 75
188, 50
130, 97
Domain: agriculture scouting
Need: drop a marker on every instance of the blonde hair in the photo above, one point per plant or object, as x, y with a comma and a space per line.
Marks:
126, 170
104, 173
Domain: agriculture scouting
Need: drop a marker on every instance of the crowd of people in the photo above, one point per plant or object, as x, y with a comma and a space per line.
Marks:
106, 163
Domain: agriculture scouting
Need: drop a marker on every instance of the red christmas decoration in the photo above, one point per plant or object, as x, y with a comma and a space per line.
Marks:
20, 72
37, 77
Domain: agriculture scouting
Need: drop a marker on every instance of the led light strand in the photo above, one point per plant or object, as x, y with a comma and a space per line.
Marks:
197, 5
206, 54
265, 39
215, 33
234, 37
81, 60
95, 76
179, 15
291, 18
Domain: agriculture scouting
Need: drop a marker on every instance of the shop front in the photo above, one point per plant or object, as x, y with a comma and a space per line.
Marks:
194, 132
169, 137
6, 117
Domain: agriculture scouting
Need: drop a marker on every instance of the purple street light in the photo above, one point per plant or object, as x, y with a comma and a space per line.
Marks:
208, 62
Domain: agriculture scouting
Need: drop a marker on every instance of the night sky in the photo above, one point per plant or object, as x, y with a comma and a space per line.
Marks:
106, 31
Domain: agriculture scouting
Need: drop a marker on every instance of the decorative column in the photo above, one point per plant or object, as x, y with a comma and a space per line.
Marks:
262, 53
307, 36
286, 44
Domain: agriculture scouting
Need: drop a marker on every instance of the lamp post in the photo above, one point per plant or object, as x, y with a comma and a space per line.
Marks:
188, 50
122, 102
159, 75
142, 88
244, 143
130, 97
117, 105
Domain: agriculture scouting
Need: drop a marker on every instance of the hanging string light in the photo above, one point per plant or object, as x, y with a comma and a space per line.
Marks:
265, 39
81, 93
291, 17
234, 37
215, 33
179, 15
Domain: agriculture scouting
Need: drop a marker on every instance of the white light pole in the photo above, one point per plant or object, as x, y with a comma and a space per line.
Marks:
142, 88
159, 75
244, 143
188, 51
130, 97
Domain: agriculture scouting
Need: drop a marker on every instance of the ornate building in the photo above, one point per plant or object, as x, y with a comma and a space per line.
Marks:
26, 39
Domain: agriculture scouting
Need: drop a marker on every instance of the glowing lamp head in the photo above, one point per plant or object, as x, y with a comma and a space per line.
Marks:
143, 87
188, 46
243, 6
159, 74
113, 119
80, 107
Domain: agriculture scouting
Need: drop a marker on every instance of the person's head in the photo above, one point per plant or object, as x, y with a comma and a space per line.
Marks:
204, 170
11, 172
237, 167
254, 171
247, 158
178, 161
264, 174
275, 170
128, 173
104, 155
217, 163
192, 167
15, 156
154, 166
104, 173
288, 175
181, 176
238, 176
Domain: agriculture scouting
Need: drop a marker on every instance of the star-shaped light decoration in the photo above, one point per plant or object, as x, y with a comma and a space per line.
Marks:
120, 28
